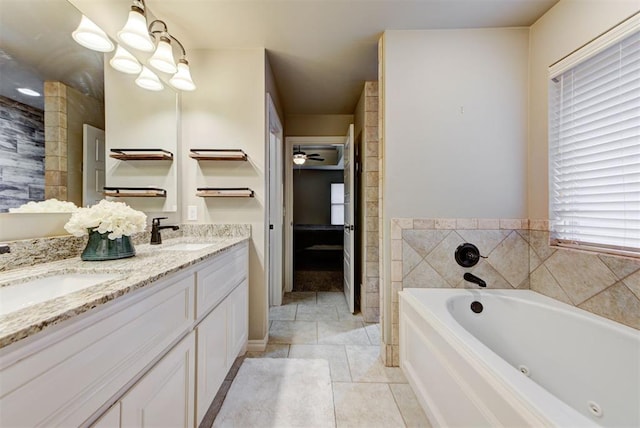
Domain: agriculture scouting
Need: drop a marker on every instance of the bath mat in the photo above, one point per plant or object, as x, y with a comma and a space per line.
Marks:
279, 392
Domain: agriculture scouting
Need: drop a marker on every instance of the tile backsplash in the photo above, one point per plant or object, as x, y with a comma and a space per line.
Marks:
516, 254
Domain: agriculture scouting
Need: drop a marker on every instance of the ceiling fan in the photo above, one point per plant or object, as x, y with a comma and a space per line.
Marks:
300, 157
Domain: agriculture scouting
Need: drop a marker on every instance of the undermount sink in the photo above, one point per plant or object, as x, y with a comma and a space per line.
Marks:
31, 292
186, 247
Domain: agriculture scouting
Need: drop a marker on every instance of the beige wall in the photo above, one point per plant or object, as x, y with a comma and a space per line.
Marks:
314, 125
228, 111
567, 26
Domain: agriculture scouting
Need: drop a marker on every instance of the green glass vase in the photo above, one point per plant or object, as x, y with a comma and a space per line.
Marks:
100, 247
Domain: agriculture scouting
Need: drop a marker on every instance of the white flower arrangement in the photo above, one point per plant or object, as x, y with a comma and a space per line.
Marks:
48, 206
117, 218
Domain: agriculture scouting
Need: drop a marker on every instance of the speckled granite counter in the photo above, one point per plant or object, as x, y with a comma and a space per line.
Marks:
150, 264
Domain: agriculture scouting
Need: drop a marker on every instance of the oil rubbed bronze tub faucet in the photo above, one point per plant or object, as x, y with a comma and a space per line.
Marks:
156, 238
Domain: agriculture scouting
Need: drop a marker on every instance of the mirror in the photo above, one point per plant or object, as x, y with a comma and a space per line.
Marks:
36, 46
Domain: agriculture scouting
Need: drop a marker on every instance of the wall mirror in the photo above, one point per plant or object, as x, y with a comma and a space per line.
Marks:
36, 46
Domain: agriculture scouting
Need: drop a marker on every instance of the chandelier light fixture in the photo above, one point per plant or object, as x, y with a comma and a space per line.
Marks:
155, 38
299, 158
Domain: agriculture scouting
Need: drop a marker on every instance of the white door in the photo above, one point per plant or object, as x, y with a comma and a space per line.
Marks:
276, 202
93, 165
349, 229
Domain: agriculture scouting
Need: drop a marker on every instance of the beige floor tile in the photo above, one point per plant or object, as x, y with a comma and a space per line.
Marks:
342, 333
368, 405
373, 331
366, 366
345, 314
335, 354
293, 332
273, 350
331, 298
306, 297
316, 313
283, 313
409, 406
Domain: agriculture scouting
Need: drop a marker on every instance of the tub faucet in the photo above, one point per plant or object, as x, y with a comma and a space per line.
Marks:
472, 278
156, 238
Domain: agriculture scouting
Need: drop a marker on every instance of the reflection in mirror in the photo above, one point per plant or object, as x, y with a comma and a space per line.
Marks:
37, 53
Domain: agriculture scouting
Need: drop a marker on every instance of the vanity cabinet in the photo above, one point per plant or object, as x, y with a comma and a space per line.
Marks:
136, 360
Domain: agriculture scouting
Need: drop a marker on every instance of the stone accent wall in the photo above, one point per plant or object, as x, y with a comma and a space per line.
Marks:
21, 154
55, 121
518, 256
370, 291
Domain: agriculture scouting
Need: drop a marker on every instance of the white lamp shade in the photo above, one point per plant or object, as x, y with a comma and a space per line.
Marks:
125, 62
162, 58
91, 36
135, 33
182, 79
149, 80
299, 159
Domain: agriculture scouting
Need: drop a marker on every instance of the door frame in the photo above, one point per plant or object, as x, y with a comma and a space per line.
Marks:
274, 162
290, 142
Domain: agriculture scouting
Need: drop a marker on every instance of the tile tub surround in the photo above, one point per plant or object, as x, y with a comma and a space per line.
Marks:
30, 252
518, 256
149, 265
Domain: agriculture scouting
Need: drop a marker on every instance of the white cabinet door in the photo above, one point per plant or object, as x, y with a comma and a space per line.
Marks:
237, 321
164, 397
211, 336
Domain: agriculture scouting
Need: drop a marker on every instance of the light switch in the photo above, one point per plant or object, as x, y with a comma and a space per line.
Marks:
192, 212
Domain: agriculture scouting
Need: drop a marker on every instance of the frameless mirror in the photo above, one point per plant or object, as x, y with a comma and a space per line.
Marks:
36, 47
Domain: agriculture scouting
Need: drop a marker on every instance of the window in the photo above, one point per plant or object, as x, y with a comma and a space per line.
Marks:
594, 144
337, 203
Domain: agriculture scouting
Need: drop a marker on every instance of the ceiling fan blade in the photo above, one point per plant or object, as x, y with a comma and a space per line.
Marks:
315, 159
313, 154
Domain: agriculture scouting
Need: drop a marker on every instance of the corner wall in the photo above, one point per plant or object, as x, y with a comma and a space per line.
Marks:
228, 112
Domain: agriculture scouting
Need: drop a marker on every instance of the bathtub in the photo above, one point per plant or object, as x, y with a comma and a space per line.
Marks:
524, 360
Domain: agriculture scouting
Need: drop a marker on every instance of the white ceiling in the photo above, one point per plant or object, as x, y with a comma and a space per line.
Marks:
322, 51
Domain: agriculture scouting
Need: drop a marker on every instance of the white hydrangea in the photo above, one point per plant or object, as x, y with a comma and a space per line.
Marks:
48, 206
107, 216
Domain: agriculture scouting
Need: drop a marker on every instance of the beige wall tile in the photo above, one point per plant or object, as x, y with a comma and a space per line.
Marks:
617, 303
633, 283
442, 259
620, 266
371, 104
466, 223
396, 249
488, 223
541, 225
511, 259
541, 281
424, 241
445, 223
424, 276
485, 240
371, 137
371, 119
507, 223
396, 271
371, 163
424, 223
580, 275
371, 177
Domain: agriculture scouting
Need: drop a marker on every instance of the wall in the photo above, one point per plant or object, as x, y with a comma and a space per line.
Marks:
312, 193
228, 111
563, 29
22, 154
314, 125
81, 109
366, 124
454, 137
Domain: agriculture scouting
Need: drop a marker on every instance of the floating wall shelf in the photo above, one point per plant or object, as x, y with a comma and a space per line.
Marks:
218, 154
141, 154
135, 192
222, 192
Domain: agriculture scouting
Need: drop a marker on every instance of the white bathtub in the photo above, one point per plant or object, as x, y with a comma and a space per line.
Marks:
525, 360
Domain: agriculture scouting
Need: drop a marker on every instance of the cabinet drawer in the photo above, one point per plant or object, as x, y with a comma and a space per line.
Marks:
65, 383
218, 277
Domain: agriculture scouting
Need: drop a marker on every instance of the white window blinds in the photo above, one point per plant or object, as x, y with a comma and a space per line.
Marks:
594, 149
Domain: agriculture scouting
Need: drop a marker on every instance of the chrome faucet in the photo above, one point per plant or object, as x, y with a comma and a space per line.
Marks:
156, 238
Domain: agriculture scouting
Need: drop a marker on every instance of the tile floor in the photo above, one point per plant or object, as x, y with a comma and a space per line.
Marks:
365, 392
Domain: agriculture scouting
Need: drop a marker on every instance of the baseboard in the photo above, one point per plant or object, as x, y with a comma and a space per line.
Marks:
258, 345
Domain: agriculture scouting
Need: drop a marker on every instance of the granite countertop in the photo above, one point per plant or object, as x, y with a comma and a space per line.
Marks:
150, 264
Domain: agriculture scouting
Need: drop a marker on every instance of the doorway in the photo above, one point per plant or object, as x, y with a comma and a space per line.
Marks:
314, 198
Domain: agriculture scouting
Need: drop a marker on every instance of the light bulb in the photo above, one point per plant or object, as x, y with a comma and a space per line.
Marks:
125, 62
149, 80
299, 158
135, 33
91, 36
162, 58
182, 79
